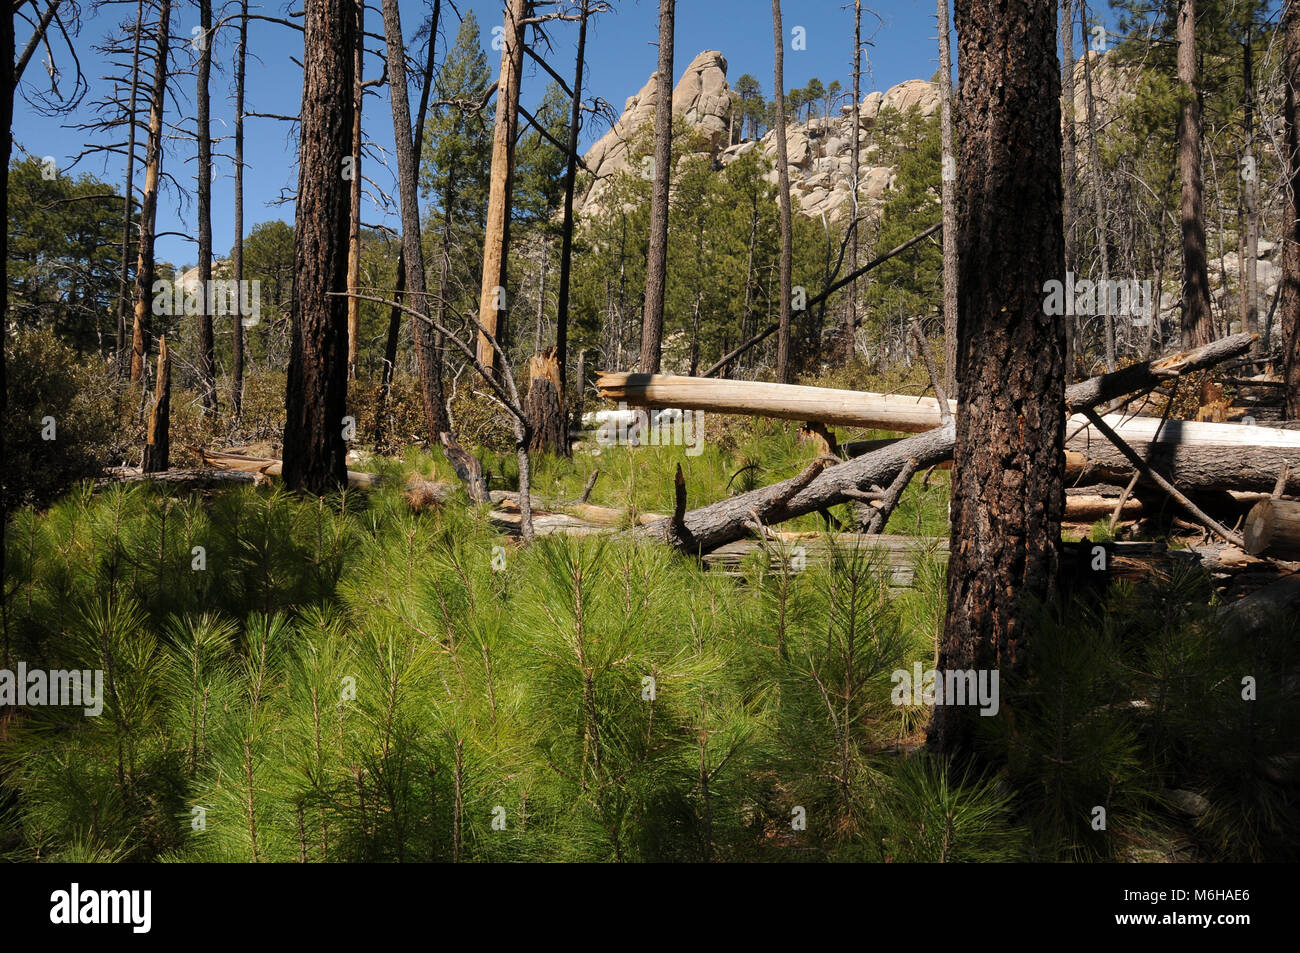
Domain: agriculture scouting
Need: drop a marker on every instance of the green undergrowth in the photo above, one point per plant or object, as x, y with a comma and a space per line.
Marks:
346, 679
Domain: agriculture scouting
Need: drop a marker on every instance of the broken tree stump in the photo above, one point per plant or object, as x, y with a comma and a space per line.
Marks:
156, 446
544, 404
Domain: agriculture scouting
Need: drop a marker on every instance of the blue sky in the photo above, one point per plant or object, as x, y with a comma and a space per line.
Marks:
620, 55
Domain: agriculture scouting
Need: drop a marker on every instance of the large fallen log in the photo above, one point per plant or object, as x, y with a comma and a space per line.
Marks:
268, 466
818, 488
1273, 529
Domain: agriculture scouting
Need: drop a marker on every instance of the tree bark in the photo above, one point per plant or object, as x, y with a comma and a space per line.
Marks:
1197, 320
1250, 197
426, 352
656, 275
566, 229
783, 196
492, 296
1008, 495
124, 297
848, 335
1069, 169
144, 269
316, 396
354, 193
207, 357
949, 203
1289, 302
1098, 200
157, 445
237, 253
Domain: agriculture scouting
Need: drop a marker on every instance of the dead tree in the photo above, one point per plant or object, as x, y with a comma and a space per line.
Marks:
128, 201
1069, 168
783, 197
1289, 303
237, 253
1098, 200
157, 447
848, 335
496, 240
354, 193
656, 273
1197, 324
203, 134
316, 395
144, 269
948, 198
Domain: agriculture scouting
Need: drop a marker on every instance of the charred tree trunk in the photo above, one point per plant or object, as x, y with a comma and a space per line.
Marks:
316, 396
496, 239
948, 199
1008, 495
1289, 304
128, 202
144, 268
207, 357
1198, 327
782, 195
354, 193
566, 229
542, 406
426, 350
157, 447
1069, 167
656, 271
1098, 200
1250, 197
237, 254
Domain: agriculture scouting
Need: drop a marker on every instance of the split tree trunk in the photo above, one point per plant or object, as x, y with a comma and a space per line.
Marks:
157, 446
316, 395
543, 407
492, 295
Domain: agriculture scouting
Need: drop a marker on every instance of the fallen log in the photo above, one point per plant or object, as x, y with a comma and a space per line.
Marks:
819, 488
1273, 529
270, 467
180, 479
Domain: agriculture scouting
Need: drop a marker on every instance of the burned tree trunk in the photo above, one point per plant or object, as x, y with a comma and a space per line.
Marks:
426, 350
543, 407
354, 193
124, 297
207, 358
1068, 166
316, 396
782, 195
1289, 305
237, 253
656, 274
1007, 494
1197, 323
157, 446
144, 269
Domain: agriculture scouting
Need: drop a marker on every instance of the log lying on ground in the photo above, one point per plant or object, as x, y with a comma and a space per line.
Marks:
1273, 529
818, 488
180, 479
268, 466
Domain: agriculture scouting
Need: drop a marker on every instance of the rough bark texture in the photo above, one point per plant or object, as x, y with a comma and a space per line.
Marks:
426, 345
316, 395
1007, 495
157, 445
7, 105
144, 268
496, 239
1289, 303
542, 406
1069, 166
1197, 323
949, 203
207, 358
783, 196
656, 272
354, 193
237, 253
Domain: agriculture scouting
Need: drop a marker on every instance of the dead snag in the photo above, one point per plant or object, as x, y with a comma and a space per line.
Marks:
544, 404
156, 447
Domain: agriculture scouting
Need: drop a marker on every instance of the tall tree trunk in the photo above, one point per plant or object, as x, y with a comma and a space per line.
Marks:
144, 268
157, 447
656, 268
1008, 494
783, 196
566, 229
435, 411
316, 395
237, 254
1289, 303
124, 296
207, 358
1197, 320
7, 105
1069, 168
354, 193
492, 310
949, 203
1098, 200
848, 336
1250, 198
